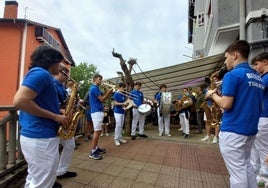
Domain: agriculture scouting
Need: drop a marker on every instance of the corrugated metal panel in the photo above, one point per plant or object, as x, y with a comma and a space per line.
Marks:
177, 77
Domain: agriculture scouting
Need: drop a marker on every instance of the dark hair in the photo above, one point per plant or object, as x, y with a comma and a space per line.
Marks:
163, 86
122, 84
138, 83
207, 80
240, 46
260, 57
96, 76
44, 56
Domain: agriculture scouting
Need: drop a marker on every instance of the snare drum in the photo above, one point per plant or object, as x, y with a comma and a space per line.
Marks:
145, 109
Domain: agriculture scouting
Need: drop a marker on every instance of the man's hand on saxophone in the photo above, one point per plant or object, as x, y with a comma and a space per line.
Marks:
210, 93
63, 120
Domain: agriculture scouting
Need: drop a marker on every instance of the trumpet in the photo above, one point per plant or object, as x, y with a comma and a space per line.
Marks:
109, 86
115, 87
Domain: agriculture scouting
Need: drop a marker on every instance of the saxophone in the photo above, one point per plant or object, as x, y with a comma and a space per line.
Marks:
214, 112
72, 112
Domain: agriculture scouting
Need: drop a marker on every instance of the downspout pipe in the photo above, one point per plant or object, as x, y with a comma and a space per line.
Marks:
242, 12
22, 52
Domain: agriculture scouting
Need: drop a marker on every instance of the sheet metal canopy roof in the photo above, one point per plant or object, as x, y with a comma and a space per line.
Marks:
189, 74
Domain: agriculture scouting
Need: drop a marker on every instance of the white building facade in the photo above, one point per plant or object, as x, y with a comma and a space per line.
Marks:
214, 24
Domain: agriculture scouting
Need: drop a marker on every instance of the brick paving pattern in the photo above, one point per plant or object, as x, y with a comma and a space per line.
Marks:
154, 162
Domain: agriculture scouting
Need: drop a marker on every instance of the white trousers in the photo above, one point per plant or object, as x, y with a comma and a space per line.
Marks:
42, 157
119, 122
137, 118
260, 148
163, 122
235, 150
184, 122
66, 155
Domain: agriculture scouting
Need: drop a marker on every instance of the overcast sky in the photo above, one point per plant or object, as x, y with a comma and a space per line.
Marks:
152, 31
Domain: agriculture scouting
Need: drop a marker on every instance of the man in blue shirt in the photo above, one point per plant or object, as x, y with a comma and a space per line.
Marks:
163, 110
137, 116
260, 148
241, 100
68, 144
96, 99
184, 113
120, 101
40, 118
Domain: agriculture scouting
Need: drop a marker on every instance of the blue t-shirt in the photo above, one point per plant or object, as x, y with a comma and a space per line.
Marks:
265, 96
40, 81
61, 91
95, 104
158, 97
138, 97
245, 85
120, 98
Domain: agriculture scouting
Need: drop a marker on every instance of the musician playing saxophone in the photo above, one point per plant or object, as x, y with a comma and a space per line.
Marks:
241, 100
40, 118
68, 144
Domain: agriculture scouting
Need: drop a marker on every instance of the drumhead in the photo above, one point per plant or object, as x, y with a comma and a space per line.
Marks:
145, 109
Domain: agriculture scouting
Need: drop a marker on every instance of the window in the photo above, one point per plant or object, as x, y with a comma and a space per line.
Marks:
201, 19
265, 30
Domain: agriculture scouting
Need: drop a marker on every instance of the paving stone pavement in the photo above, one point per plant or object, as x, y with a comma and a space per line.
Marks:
153, 162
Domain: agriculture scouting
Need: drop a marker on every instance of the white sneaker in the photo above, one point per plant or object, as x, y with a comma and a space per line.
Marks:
169, 135
101, 134
117, 143
107, 134
215, 140
122, 141
180, 129
160, 134
205, 139
260, 180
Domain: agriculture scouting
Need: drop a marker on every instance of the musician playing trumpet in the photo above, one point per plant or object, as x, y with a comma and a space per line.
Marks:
96, 99
119, 101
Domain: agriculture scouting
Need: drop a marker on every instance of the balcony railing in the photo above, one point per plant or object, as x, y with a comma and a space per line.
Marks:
11, 159
12, 163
